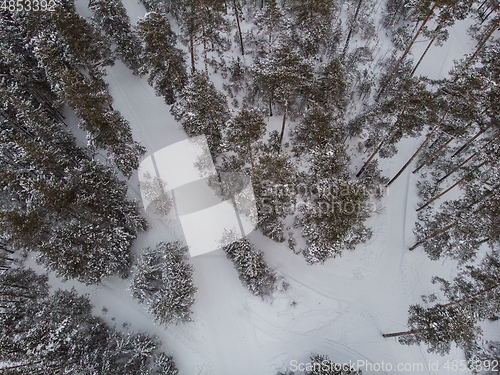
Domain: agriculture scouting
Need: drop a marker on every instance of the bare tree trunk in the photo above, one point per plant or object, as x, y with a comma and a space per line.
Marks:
419, 149
472, 296
495, 25
435, 234
443, 146
391, 76
191, 49
438, 28
204, 44
450, 188
382, 142
410, 332
346, 46
236, 13
284, 118
456, 169
471, 140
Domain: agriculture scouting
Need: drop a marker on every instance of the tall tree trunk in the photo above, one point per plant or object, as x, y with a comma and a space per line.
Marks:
419, 149
444, 145
450, 188
249, 148
436, 30
410, 332
391, 76
382, 142
191, 49
346, 45
472, 296
284, 118
435, 234
481, 45
471, 140
204, 43
456, 169
236, 13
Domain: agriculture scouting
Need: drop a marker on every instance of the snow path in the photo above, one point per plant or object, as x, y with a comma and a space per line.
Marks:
340, 309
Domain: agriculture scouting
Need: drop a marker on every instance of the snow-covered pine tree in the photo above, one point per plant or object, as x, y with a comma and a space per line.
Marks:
242, 132
163, 280
325, 366
50, 333
271, 21
161, 59
333, 220
282, 75
316, 129
87, 46
313, 25
202, 110
203, 22
254, 272
92, 103
330, 86
111, 17
274, 183
57, 200
473, 296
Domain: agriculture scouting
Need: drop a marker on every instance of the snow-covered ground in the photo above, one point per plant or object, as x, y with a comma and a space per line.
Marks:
340, 308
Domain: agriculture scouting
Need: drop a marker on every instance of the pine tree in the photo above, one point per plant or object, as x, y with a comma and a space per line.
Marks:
333, 220
322, 365
163, 280
254, 273
316, 129
57, 200
112, 19
242, 131
57, 333
92, 103
88, 48
282, 75
271, 21
438, 327
313, 21
202, 110
330, 88
162, 60
274, 183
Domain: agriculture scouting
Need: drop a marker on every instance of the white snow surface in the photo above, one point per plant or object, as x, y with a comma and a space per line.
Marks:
340, 308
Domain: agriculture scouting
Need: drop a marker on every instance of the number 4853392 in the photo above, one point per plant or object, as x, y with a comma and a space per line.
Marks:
27, 5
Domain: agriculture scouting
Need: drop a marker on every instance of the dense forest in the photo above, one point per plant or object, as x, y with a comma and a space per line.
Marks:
308, 64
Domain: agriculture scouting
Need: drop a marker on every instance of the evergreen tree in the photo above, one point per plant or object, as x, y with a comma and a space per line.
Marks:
316, 129
325, 366
243, 131
88, 48
274, 184
112, 19
162, 60
202, 110
333, 220
281, 76
331, 84
54, 333
57, 200
270, 21
92, 103
254, 273
313, 21
163, 280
